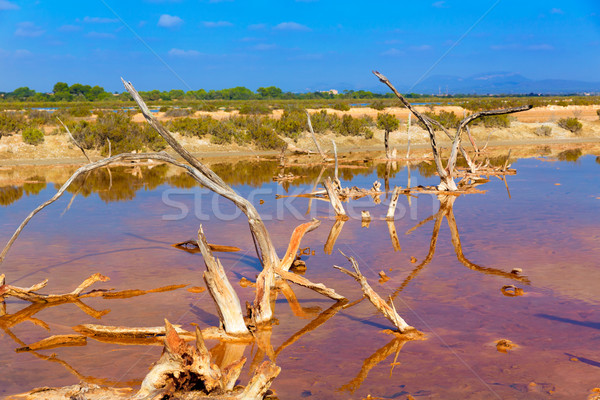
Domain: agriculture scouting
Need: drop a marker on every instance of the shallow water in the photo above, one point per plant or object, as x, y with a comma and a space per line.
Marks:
549, 227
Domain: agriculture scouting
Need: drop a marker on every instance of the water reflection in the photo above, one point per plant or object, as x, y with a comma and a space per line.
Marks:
446, 210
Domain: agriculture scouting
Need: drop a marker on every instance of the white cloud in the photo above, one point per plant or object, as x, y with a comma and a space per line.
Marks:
184, 53
542, 46
20, 53
69, 28
256, 27
291, 26
100, 35
392, 52
217, 24
556, 11
169, 21
7, 5
29, 29
423, 47
440, 4
100, 20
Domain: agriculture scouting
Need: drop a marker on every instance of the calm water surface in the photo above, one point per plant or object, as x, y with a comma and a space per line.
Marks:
548, 227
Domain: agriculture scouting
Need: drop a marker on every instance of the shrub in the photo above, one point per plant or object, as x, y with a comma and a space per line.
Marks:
341, 107
448, 119
265, 138
387, 122
178, 112
349, 126
292, 122
254, 109
39, 117
33, 136
11, 122
164, 109
197, 127
598, 160
543, 130
223, 133
79, 111
494, 121
378, 105
598, 112
321, 121
571, 124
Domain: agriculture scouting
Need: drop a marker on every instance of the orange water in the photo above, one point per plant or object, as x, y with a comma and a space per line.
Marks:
550, 231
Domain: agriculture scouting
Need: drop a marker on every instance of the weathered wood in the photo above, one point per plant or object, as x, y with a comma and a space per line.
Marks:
335, 231
334, 199
317, 287
295, 240
434, 147
225, 297
312, 132
392, 208
388, 311
103, 331
30, 294
74, 141
54, 342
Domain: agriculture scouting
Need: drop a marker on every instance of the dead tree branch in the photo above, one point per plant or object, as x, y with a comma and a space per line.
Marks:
388, 311
312, 132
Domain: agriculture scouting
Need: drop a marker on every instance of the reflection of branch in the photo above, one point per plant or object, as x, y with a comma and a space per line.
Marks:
297, 309
393, 235
432, 244
394, 346
335, 231
449, 212
314, 324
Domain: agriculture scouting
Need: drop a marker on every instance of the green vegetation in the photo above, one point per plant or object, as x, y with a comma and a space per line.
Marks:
387, 122
448, 119
598, 112
571, 124
124, 135
378, 105
341, 107
33, 136
11, 122
494, 121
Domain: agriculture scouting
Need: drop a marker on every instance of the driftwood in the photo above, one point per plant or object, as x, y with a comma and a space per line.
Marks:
334, 199
191, 246
182, 372
225, 297
389, 311
392, 207
317, 287
30, 294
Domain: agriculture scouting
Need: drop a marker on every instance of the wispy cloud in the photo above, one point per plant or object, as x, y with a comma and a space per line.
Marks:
69, 28
7, 5
556, 11
169, 21
256, 27
184, 53
100, 20
21, 53
392, 52
440, 4
217, 24
29, 29
100, 35
541, 46
291, 26
264, 47
423, 47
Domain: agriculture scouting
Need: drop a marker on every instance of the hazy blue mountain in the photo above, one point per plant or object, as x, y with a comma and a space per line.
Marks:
502, 82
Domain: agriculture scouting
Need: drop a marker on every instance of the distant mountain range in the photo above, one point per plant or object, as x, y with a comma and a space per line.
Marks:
490, 83
502, 82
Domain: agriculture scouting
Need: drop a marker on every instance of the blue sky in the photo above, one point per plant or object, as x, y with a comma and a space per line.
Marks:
296, 45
